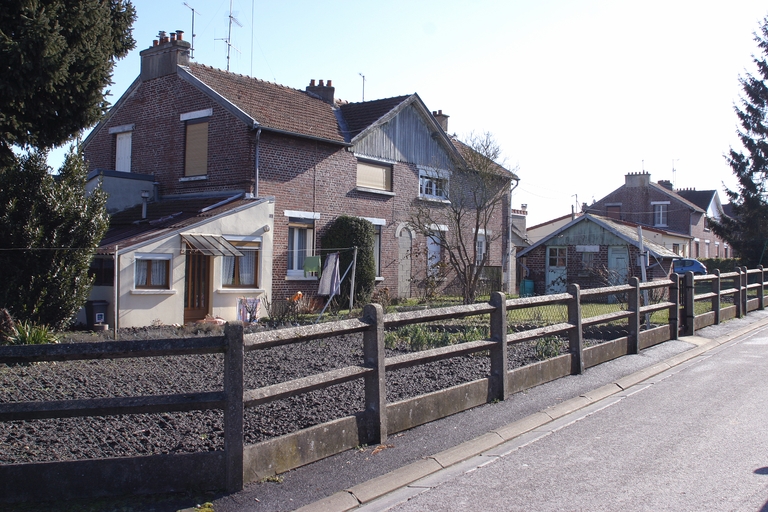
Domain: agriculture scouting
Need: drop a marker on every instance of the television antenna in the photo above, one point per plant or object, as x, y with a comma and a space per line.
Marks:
192, 50
228, 39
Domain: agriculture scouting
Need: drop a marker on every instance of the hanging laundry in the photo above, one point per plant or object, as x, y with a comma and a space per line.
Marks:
329, 280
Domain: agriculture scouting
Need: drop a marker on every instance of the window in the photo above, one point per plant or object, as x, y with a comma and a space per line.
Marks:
676, 249
123, 151
103, 271
301, 243
480, 248
377, 249
152, 271
374, 176
433, 255
557, 256
613, 211
432, 186
196, 155
242, 271
587, 260
660, 211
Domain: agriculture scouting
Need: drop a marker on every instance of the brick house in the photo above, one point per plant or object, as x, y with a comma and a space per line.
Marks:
658, 205
184, 130
593, 251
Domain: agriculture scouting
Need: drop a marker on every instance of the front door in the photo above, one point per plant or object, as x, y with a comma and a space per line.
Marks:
557, 269
196, 286
618, 269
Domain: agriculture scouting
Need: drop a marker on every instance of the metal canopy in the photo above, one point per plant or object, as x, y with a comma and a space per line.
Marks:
210, 245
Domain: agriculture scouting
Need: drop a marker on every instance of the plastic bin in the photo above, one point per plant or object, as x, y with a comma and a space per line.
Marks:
526, 288
96, 312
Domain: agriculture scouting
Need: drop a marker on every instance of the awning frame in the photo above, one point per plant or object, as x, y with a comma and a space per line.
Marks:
210, 245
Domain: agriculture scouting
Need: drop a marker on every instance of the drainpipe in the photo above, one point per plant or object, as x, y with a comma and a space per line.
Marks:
256, 170
116, 284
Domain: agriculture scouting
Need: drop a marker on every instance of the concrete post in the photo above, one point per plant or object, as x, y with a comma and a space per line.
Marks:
499, 365
674, 311
688, 298
233, 414
375, 383
633, 346
761, 289
716, 287
575, 335
745, 282
737, 300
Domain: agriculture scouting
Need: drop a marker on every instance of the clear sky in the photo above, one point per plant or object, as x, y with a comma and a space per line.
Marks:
578, 93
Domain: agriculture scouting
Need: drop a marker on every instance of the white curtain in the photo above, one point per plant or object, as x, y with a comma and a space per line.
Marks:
247, 268
228, 270
141, 272
158, 272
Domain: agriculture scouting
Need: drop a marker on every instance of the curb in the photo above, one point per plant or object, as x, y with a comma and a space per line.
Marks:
364, 493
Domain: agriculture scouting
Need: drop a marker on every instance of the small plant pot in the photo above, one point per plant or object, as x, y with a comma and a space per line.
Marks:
100, 327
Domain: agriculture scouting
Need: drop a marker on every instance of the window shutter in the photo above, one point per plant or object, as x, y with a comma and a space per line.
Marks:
123, 152
196, 162
378, 177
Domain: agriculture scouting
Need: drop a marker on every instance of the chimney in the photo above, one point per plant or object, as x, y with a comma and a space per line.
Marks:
144, 199
322, 90
666, 184
637, 179
165, 54
442, 119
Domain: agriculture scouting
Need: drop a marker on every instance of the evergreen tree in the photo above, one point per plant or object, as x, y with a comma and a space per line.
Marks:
747, 231
56, 59
50, 229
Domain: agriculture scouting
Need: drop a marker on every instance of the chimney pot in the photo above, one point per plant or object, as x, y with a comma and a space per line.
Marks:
179, 34
312, 83
173, 36
439, 112
330, 84
321, 83
155, 42
524, 206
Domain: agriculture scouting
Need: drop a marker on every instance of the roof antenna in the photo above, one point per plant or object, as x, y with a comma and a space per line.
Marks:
192, 50
228, 39
674, 173
362, 75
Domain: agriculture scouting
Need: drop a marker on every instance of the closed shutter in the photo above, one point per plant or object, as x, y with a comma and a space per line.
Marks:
378, 177
196, 162
123, 152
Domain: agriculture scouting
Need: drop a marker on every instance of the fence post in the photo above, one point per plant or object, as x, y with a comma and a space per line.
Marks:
688, 298
743, 295
761, 290
674, 311
575, 336
634, 321
499, 365
737, 297
233, 414
375, 383
716, 287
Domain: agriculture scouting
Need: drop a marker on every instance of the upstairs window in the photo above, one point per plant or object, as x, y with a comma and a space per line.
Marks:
196, 142
613, 211
374, 176
660, 213
123, 142
433, 186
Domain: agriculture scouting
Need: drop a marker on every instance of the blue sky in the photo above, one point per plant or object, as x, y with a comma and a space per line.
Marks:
577, 92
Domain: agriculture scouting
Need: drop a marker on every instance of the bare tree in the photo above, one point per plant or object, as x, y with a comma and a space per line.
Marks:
458, 209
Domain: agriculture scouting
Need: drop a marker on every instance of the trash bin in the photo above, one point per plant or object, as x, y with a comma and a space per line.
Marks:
96, 312
526, 288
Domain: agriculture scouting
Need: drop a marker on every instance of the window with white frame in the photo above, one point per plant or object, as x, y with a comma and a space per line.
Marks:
480, 248
433, 185
660, 213
242, 271
123, 141
301, 243
152, 271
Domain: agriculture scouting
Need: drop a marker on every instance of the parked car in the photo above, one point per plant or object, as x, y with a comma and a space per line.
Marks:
682, 266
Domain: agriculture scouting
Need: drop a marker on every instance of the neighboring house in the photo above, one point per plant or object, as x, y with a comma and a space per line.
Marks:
539, 231
187, 131
659, 206
592, 251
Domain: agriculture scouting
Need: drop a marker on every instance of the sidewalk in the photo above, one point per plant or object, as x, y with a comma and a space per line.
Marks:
356, 477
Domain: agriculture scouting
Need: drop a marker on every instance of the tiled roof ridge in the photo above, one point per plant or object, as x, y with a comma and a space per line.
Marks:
211, 68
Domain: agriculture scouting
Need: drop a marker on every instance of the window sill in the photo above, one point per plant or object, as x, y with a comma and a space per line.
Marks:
153, 292
434, 200
241, 291
379, 279
301, 278
194, 178
375, 191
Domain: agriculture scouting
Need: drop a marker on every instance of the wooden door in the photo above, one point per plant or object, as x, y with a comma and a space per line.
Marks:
197, 296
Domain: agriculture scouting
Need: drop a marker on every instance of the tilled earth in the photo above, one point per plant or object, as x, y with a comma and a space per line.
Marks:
147, 434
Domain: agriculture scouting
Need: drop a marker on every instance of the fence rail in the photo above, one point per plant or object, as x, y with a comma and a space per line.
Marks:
239, 463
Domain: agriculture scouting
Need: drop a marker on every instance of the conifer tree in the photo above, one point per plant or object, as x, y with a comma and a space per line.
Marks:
747, 230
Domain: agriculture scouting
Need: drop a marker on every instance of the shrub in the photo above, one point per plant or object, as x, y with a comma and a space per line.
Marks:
27, 333
347, 232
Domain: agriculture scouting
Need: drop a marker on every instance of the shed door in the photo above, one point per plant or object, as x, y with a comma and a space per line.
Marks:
196, 286
557, 269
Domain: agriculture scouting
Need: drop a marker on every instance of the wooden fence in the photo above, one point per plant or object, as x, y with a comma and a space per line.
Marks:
239, 463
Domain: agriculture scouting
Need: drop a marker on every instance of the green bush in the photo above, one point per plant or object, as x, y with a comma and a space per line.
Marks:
346, 232
725, 265
27, 333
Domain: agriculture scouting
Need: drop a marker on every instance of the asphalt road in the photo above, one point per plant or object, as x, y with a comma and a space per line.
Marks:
691, 438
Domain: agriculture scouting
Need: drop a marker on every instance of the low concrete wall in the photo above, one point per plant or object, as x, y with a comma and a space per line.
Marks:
48, 481
532, 375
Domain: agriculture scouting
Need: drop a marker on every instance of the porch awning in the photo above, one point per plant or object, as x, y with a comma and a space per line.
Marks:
210, 245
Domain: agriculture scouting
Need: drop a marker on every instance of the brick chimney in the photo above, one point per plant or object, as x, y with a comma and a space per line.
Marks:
165, 54
323, 91
666, 184
637, 179
442, 119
